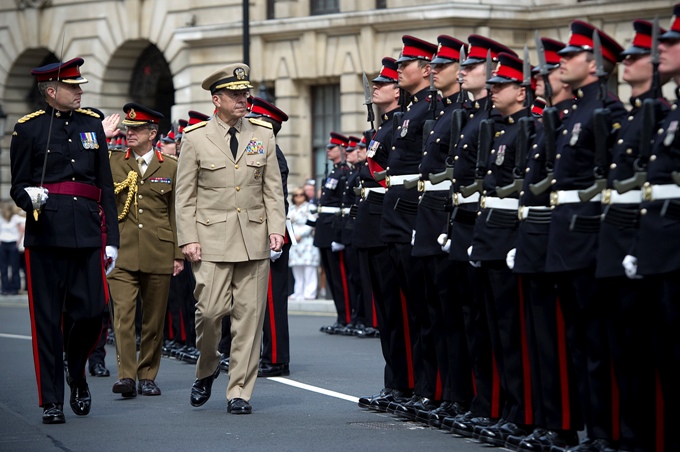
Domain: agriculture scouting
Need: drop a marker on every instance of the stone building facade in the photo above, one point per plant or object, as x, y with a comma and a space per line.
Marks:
309, 54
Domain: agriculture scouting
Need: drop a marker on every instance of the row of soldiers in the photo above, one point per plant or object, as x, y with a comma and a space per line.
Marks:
522, 256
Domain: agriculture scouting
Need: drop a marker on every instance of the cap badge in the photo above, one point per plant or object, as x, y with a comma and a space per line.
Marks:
240, 73
132, 114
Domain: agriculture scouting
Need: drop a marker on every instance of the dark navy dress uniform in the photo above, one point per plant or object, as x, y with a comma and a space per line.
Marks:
64, 247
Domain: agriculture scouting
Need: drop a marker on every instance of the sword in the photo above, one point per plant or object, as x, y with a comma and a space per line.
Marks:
543, 70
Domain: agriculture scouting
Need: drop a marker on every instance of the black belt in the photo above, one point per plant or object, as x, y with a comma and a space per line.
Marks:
585, 224
464, 216
435, 202
671, 209
501, 218
406, 207
375, 197
538, 216
621, 217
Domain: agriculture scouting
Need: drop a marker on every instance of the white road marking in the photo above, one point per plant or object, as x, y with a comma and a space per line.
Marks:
311, 388
15, 336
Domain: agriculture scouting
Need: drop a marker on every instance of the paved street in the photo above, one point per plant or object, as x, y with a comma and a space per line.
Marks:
312, 409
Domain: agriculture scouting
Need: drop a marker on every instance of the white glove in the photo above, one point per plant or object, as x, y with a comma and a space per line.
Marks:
273, 255
630, 267
335, 247
475, 264
447, 246
510, 258
111, 256
413, 237
38, 196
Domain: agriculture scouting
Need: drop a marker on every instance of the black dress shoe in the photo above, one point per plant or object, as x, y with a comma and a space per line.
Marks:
148, 388
422, 405
465, 425
592, 445
224, 363
512, 442
382, 402
336, 328
497, 434
202, 387
548, 439
273, 370
365, 402
98, 370
81, 399
239, 406
125, 387
445, 410
53, 413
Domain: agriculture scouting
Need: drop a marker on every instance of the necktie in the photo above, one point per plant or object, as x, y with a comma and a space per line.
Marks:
233, 142
140, 163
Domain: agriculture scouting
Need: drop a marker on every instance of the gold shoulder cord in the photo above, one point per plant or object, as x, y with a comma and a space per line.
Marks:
131, 183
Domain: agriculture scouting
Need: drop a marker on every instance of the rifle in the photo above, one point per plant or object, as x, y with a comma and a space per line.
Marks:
601, 128
650, 112
368, 101
524, 139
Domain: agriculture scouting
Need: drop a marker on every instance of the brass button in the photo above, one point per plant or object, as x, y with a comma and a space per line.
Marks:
141, 182
207, 221
643, 212
141, 210
238, 209
236, 166
162, 191
258, 163
141, 225
212, 166
75, 199
238, 188
140, 196
261, 219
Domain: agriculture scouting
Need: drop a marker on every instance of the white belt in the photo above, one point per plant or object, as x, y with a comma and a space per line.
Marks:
569, 197
614, 197
657, 192
345, 210
491, 202
523, 212
395, 180
429, 186
459, 199
366, 190
324, 209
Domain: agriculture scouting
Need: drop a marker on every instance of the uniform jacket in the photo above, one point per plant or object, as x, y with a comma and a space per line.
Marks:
78, 152
148, 235
328, 225
229, 206
348, 200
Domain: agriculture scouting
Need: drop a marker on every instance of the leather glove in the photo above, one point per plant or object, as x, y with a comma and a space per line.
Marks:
111, 256
335, 246
510, 258
38, 196
475, 264
630, 267
273, 255
413, 237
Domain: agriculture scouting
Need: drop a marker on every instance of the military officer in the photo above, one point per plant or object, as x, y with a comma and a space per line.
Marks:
70, 231
145, 185
230, 216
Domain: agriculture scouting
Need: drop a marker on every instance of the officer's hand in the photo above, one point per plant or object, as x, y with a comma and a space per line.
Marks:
273, 255
275, 242
110, 124
510, 258
177, 267
38, 196
335, 247
413, 237
630, 267
444, 242
475, 264
192, 251
110, 260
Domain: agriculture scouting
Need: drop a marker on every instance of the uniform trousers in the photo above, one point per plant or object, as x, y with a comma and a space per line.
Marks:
152, 288
366, 308
337, 282
275, 339
238, 290
60, 280
181, 306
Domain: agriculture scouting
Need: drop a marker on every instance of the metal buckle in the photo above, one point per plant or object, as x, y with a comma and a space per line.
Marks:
482, 202
363, 193
607, 196
554, 199
455, 199
520, 212
387, 181
647, 192
421, 185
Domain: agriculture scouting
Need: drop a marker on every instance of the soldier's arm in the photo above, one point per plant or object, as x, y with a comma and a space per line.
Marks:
20, 154
185, 193
173, 220
272, 190
105, 183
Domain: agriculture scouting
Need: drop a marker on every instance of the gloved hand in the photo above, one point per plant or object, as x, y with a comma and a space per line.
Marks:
475, 264
38, 196
413, 237
273, 255
111, 256
510, 258
444, 242
630, 267
335, 247
447, 246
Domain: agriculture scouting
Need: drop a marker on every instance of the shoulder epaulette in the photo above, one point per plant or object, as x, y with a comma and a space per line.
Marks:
87, 111
170, 156
259, 122
30, 116
114, 151
195, 126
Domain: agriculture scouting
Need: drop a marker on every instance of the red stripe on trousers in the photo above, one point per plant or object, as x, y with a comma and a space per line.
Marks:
343, 275
182, 328
438, 386
526, 366
36, 359
106, 284
563, 366
272, 320
407, 341
171, 334
374, 314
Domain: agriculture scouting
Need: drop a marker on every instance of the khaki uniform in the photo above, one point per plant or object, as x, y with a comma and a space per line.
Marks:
148, 247
230, 206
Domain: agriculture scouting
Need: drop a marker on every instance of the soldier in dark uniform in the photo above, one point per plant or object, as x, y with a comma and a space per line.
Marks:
656, 252
398, 220
574, 225
71, 231
485, 407
275, 357
445, 313
327, 235
555, 410
386, 295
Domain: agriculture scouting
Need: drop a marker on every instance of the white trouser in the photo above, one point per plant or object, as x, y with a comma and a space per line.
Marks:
306, 282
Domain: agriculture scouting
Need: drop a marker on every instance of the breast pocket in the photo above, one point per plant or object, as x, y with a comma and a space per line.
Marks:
257, 164
213, 174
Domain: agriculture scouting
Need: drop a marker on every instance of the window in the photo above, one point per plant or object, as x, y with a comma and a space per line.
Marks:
271, 14
325, 119
380, 4
324, 7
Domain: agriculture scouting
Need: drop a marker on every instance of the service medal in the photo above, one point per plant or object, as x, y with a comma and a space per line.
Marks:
670, 133
404, 128
575, 132
500, 156
372, 148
